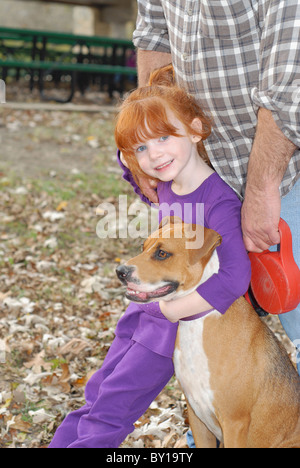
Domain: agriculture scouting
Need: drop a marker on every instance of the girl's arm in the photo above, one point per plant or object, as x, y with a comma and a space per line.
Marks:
184, 307
232, 281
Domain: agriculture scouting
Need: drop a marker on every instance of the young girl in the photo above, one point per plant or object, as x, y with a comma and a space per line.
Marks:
160, 130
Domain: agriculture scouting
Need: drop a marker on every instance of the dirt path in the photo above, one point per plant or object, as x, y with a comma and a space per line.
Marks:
36, 142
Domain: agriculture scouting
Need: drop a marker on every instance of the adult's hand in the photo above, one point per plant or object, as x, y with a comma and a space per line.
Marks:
260, 218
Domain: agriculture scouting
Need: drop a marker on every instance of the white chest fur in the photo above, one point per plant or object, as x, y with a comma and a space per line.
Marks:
192, 371
191, 364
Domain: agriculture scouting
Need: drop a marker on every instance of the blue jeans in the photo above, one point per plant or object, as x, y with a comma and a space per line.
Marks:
290, 212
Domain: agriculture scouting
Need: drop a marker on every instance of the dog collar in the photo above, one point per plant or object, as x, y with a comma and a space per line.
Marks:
197, 316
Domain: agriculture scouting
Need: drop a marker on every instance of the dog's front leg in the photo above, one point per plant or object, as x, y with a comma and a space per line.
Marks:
202, 436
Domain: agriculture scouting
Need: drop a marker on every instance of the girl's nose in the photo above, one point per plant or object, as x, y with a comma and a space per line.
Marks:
154, 152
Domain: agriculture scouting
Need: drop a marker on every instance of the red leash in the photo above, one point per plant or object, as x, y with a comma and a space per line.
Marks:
275, 281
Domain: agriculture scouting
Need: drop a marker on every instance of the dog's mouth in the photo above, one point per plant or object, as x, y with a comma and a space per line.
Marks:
136, 295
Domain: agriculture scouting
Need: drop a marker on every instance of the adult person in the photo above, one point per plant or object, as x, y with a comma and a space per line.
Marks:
241, 59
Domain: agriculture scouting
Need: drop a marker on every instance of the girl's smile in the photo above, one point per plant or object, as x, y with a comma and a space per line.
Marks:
164, 166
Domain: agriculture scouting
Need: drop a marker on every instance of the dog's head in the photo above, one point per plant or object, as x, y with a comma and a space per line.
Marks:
172, 262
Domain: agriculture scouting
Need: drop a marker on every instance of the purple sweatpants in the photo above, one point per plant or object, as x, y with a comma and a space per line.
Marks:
119, 393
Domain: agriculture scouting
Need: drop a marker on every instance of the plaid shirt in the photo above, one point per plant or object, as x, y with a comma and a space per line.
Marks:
235, 56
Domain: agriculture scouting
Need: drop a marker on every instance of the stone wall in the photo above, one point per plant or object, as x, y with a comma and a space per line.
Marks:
36, 15
115, 21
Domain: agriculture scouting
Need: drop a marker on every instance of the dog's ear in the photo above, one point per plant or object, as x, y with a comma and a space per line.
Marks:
210, 242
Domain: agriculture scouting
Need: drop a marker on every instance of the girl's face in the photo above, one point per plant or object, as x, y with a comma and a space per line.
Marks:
166, 157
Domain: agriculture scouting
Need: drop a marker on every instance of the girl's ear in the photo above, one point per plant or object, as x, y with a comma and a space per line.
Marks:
197, 126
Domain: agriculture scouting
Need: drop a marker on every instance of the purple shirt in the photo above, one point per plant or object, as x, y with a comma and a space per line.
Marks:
222, 213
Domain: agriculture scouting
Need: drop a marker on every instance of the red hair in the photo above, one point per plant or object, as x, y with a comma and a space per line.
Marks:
143, 116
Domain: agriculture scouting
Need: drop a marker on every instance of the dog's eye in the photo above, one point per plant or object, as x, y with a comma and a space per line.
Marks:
162, 255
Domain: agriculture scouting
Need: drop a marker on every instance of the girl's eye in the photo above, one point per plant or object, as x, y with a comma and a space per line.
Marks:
140, 149
164, 138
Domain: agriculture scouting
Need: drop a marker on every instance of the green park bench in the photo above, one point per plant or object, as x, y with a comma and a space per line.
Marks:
72, 59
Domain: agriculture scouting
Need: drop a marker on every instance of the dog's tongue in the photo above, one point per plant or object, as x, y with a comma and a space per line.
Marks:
145, 296
142, 296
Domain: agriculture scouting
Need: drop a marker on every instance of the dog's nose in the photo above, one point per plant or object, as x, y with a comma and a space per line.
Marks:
124, 272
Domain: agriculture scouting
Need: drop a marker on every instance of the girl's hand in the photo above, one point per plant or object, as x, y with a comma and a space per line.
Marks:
170, 310
148, 187
187, 306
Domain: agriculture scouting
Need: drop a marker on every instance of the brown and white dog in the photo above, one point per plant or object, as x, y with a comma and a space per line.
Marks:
239, 383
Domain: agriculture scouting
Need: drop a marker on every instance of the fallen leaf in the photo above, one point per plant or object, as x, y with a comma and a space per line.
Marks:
37, 364
18, 424
62, 206
75, 346
40, 416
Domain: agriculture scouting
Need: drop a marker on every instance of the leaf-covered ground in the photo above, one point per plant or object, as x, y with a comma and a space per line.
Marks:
59, 296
